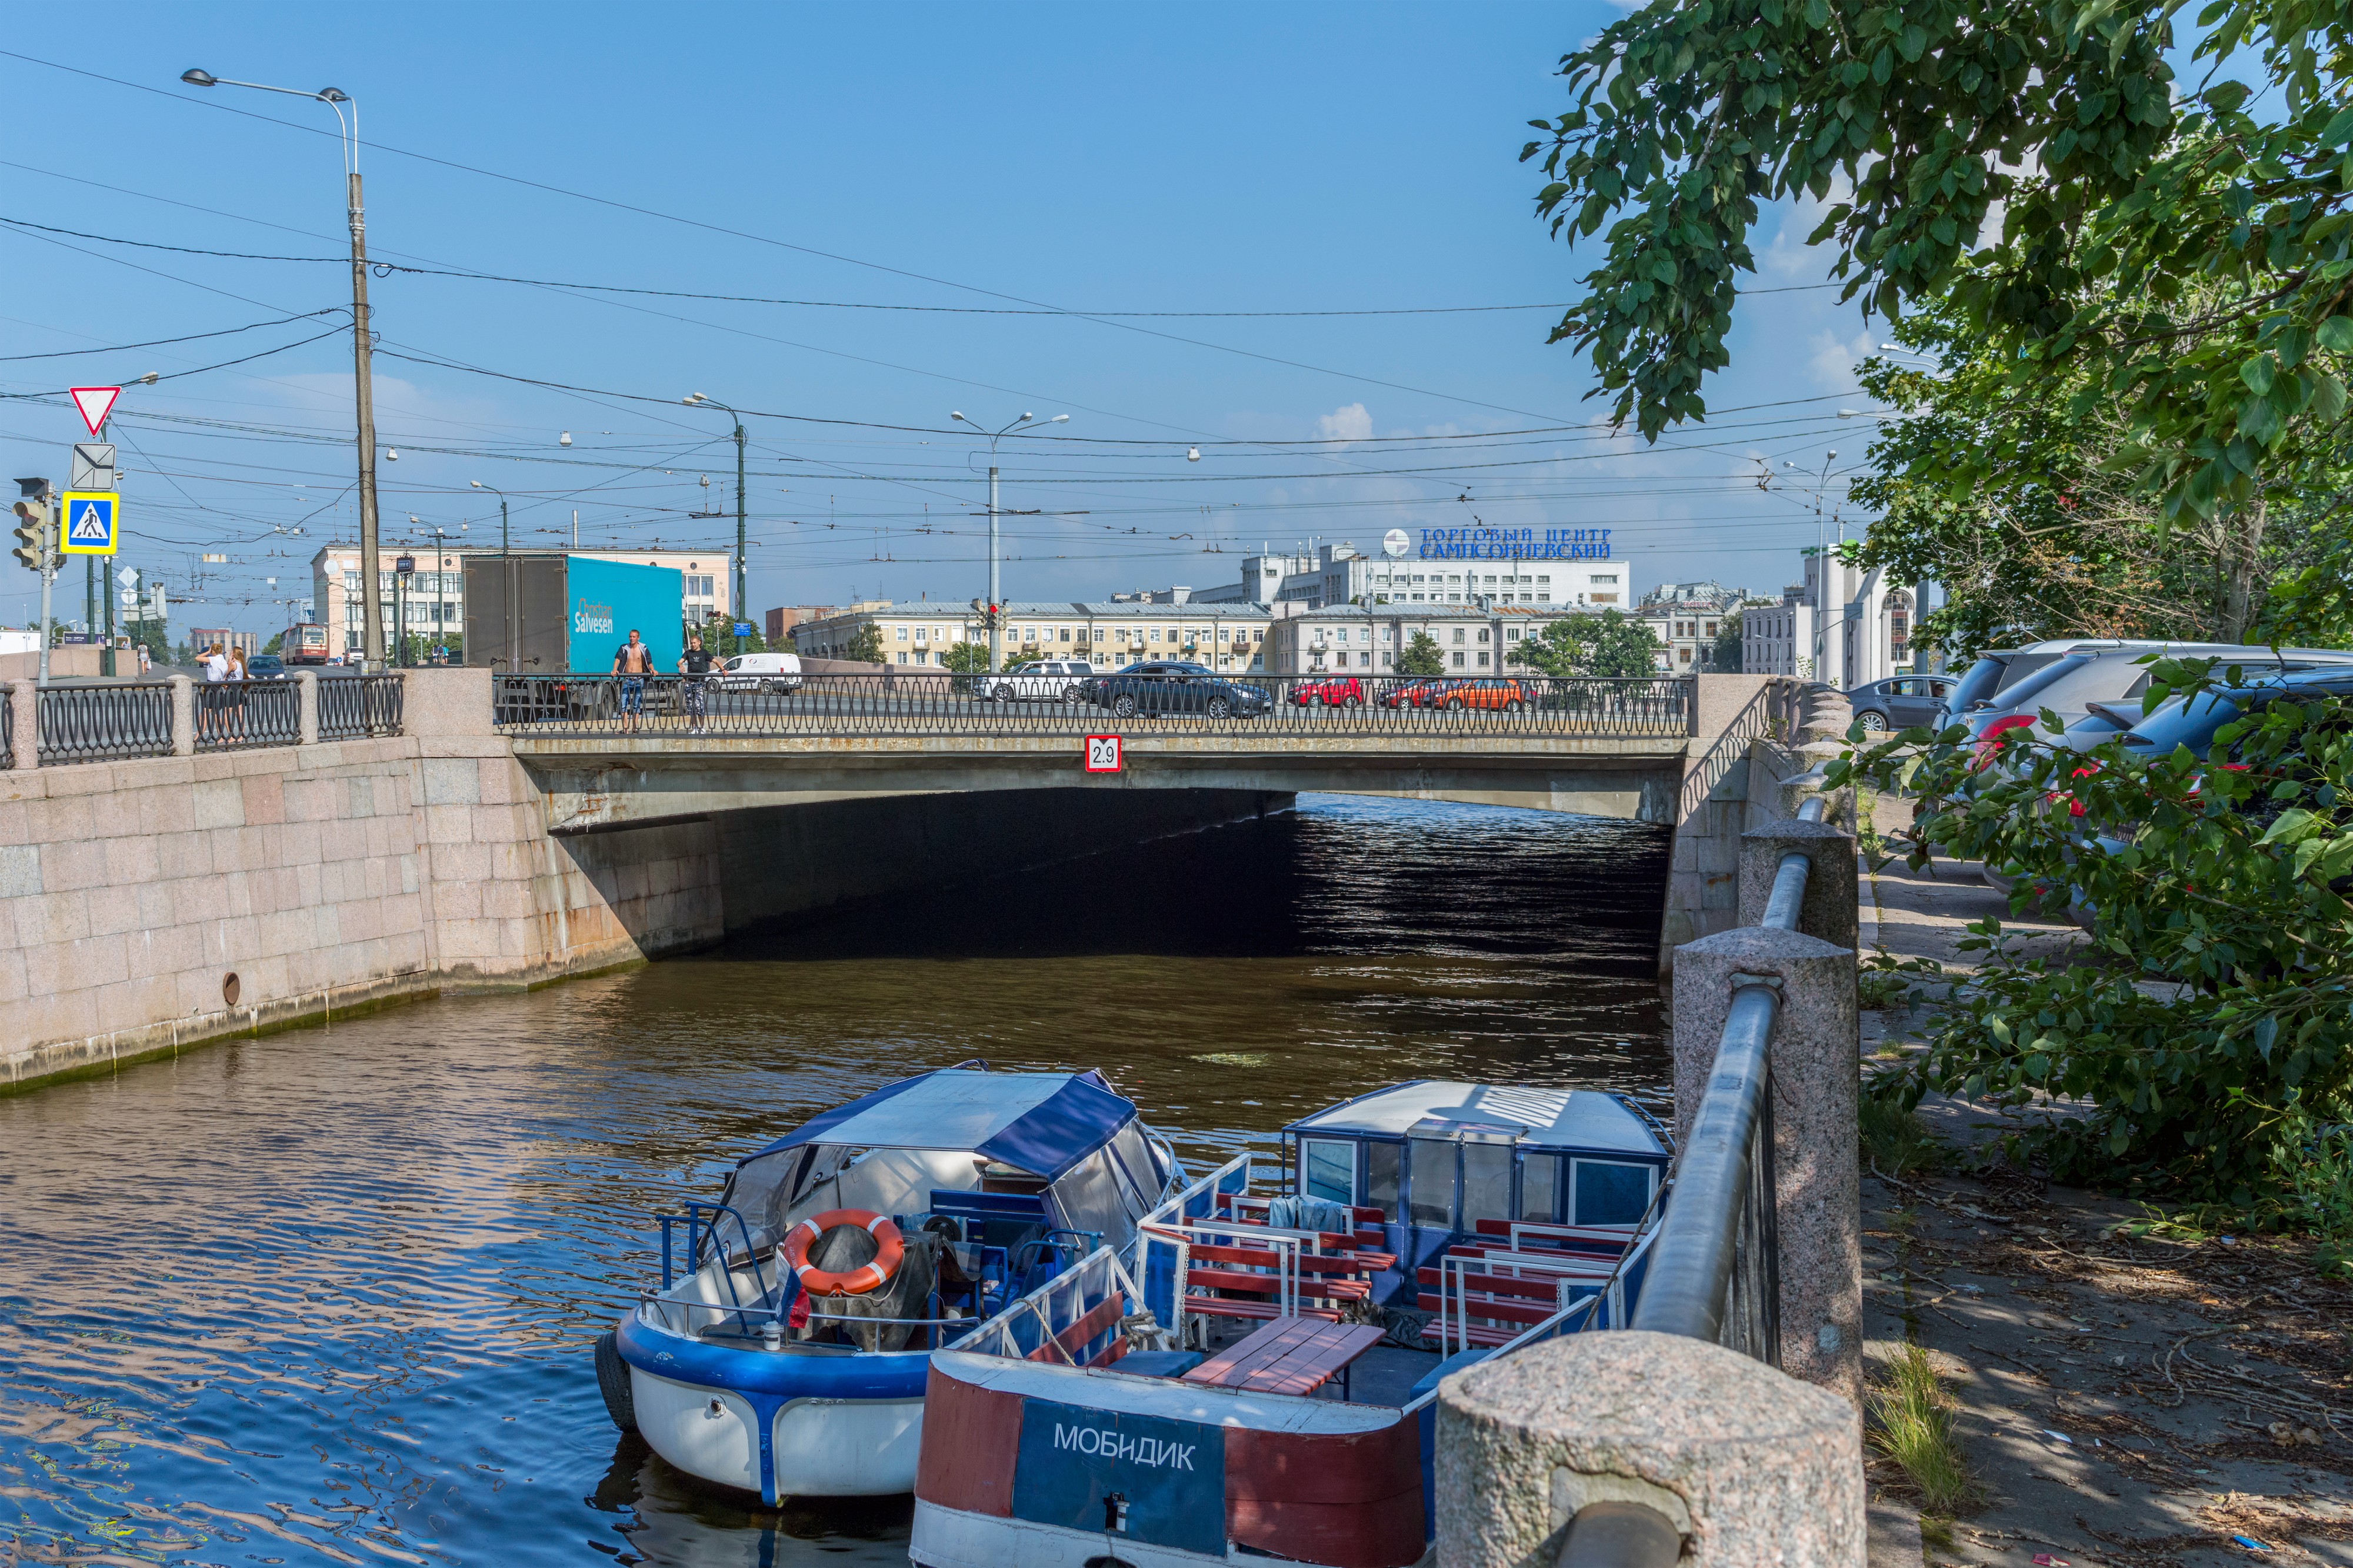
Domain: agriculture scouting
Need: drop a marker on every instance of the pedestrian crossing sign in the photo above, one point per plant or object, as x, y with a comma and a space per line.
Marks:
93, 523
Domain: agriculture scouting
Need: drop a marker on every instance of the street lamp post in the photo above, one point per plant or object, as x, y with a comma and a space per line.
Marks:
440, 565
507, 575
996, 604
697, 400
370, 588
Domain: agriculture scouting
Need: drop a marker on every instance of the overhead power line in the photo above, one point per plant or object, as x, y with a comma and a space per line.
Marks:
190, 338
385, 268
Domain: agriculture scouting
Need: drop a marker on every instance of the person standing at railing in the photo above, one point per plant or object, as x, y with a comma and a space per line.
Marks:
216, 665
694, 665
233, 712
633, 662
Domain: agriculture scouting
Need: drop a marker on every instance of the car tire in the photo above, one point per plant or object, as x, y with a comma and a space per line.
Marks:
1514, 705
1072, 693
1122, 706
1352, 702
767, 688
1453, 705
1219, 708
1874, 721
1001, 694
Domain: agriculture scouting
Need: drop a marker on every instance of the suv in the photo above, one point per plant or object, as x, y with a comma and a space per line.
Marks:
1042, 680
1332, 691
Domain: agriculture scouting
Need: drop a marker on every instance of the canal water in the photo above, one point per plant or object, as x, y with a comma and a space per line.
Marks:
327, 1297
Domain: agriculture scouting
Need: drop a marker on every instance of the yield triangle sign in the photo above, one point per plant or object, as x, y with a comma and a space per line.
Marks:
95, 401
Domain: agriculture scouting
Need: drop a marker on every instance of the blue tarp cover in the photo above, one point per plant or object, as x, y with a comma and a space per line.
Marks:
1040, 1122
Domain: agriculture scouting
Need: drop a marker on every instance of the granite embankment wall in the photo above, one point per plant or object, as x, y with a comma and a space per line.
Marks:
150, 905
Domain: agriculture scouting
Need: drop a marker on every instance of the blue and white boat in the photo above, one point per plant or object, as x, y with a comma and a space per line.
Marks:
789, 1356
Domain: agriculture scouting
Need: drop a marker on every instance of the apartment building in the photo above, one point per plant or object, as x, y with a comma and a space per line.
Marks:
1230, 638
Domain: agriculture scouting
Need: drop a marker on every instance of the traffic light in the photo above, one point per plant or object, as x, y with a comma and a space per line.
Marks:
34, 543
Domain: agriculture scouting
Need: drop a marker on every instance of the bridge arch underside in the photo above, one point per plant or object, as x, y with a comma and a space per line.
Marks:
613, 792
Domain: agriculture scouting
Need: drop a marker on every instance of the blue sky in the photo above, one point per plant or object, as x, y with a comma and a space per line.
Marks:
1212, 158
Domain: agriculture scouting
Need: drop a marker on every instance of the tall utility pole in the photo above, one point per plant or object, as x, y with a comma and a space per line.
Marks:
370, 588
507, 573
995, 601
697, 400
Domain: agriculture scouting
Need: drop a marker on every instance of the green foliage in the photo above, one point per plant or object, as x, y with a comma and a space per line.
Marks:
2225, 884
1884, 979
1912, 1424
1421, 657
1723, 655
1610, 643
718, 638
2182, 256
277, 644
1896, 1142
865, 644
965, 658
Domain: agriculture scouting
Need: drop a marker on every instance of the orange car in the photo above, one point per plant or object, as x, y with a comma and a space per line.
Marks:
1503, 695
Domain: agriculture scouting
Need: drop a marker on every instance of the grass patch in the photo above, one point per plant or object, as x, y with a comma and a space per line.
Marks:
1912, 1424
1895, 1141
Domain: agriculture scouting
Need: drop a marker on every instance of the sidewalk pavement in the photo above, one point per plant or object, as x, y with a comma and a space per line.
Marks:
2123, 1399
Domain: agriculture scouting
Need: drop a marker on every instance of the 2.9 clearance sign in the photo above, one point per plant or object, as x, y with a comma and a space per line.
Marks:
1102, 753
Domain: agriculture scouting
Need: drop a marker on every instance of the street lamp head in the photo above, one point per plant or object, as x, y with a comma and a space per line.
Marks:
957, 414
150, 379
333, 95
1029, 417
196, 77
392, 454
1059, 419
691, 397
564, 439
1192, 454
476, 483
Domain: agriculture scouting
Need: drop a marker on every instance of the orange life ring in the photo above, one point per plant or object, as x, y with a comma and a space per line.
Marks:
857, 1281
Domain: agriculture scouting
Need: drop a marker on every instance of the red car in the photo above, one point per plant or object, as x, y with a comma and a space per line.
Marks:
1335, 691
1418, 693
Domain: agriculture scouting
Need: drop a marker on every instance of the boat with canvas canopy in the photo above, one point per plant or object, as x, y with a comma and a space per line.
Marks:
1175, 1405
787, 1356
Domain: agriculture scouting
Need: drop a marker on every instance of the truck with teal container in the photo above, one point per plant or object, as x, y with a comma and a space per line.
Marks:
552, 614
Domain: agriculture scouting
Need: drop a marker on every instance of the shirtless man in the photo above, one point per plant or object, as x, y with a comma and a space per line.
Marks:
633, 663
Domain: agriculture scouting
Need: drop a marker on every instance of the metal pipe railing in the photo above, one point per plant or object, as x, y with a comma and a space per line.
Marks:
1716, 1268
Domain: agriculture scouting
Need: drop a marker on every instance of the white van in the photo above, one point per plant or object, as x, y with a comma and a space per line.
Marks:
759, 672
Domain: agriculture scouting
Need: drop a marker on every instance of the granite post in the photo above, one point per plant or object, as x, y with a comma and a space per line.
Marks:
1749, 1466
1817, 1084
183, 716
24, 700
306, 684
1832, 903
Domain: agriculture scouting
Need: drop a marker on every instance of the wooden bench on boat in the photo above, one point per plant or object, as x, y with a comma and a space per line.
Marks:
1245, 1261
1298, 1355
1488, 1295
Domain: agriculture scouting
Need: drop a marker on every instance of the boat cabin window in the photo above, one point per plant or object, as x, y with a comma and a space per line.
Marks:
1539, 1185
1433, 1180
1381, 1163
1610, 1193
1486, 1182
1327, 1169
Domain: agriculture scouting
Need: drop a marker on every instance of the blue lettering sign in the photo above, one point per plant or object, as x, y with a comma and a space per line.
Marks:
1114, 1473
1514, 544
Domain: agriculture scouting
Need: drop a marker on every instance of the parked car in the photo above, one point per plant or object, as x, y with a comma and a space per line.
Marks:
759, 672
2192, 722
1899, 702
1330, 691
1042, 680
1164, 686
1505, 696
265, 666
1417, 693
1995, 669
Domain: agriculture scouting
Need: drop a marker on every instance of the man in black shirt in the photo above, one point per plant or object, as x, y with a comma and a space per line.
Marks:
695, 664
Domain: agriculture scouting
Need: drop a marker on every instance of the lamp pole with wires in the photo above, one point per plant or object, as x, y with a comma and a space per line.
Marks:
507, 574
370, 588
697, 400
996, 604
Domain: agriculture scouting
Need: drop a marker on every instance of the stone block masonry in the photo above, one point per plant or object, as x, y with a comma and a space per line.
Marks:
152, 904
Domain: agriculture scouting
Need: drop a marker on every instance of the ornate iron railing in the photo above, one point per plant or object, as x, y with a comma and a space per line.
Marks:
903, 703
233, 714
359, 707
104, 722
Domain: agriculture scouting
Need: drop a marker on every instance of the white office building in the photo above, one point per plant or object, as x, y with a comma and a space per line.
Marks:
1841, 626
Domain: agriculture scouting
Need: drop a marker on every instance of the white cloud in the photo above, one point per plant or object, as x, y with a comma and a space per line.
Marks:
1834, 359
1349, 424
